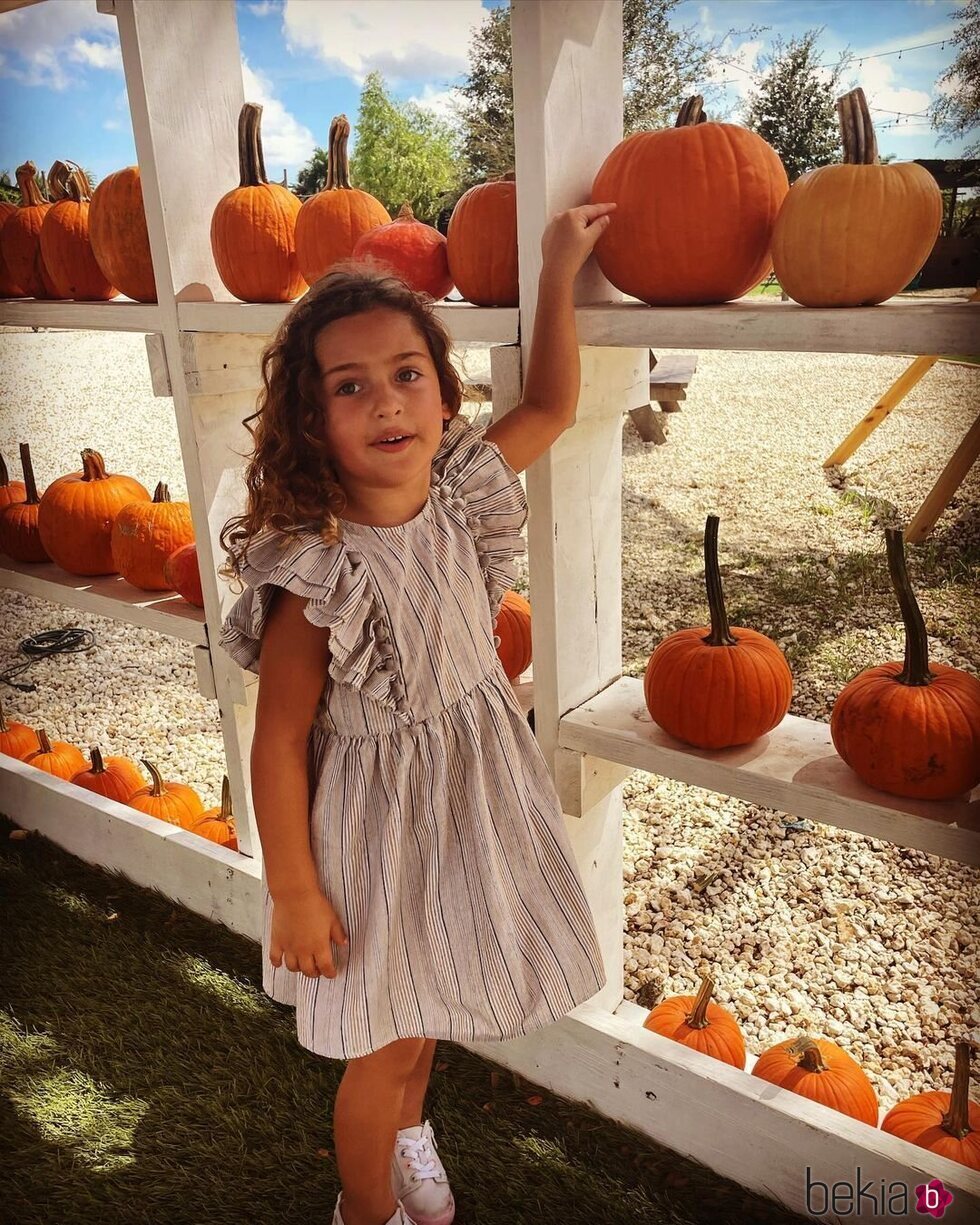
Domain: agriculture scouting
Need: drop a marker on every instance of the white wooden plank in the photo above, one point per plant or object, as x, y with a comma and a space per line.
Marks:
794, 769
108, 595
118, 315
156, 357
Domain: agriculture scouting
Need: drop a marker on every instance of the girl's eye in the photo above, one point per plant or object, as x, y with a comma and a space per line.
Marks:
407, 370
341, 390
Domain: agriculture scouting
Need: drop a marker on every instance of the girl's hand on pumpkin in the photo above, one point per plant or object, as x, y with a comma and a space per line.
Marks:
569, 238
303, 931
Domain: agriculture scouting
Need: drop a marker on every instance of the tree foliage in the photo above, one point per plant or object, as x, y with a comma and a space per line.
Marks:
957, 110
793, 106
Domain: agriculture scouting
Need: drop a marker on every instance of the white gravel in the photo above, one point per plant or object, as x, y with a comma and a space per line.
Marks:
873, 945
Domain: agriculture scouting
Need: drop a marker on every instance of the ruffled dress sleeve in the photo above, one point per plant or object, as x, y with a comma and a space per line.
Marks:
472, 476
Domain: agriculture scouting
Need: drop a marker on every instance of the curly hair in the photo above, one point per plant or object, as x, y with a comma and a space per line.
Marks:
290, 477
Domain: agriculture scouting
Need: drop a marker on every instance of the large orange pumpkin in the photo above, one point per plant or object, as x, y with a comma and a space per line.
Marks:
330, 223
253, 228
77, 512
717, 686
120, 240
56, 757
821, 1071
218, 824
482, 243
414, 251
144, 534
513, 632
696, 1021
10, 491
175, 803
20, 238
65, 246
855, 234
183, 573
696, 204
8, 287
911, 728
117, 778
19, 535
17, 739
947, 1124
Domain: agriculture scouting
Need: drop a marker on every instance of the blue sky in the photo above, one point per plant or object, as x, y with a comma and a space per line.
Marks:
62, 92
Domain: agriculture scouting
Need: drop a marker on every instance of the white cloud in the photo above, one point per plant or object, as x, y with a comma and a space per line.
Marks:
265, 9
40, 42
743, 68
439, 101
113, 125
285, 141
404, 40
97, 55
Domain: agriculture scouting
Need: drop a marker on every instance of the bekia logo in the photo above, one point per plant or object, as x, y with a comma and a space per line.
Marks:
933, 1199
874, 1201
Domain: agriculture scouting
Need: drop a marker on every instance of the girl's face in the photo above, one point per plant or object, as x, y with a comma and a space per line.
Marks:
383, 409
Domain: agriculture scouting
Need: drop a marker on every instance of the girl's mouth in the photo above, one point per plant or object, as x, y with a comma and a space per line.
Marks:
393, 442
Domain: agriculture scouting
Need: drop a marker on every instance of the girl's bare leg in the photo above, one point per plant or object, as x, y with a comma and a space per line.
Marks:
418, 1082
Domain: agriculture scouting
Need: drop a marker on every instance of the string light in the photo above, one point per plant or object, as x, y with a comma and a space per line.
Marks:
877, 55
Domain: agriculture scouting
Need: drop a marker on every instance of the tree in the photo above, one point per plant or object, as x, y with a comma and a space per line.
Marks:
313, 176
794, 109
957, 110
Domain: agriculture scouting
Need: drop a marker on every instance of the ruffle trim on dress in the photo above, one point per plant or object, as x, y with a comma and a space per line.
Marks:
339, 597
473, 481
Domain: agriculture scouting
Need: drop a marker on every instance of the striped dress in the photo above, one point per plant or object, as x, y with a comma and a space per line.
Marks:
434, 824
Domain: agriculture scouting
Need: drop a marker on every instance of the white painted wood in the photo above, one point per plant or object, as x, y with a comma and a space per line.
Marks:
795, 769
108, 595
219, 884
156, 357
205, 674
119, 315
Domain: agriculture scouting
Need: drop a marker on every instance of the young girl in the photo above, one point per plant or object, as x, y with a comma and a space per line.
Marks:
406, 814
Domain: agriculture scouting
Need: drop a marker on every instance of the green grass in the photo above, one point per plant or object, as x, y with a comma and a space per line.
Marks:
148, 1079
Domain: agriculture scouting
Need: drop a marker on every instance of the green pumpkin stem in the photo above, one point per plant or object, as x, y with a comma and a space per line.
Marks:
698, 1016
30, 192
29, 482
251, 163
956, 1120
42, 739
857, 132
225, 799
812, 1060
161, 493
156, 787
691, 113
98, 765
93, 466
338, 163
916, 669
720, 635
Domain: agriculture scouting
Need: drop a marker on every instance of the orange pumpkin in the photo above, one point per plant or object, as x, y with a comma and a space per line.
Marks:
56, 757
8, 287
17, 739
10, 491
854, 235
20, 238
821, 1071
513, 633
697, 1022
218, 824
330, 223
183, 574
414, 251
119, 237
947, 1124
717, 686
696, 205
117, 778
910, 729
175, 803
77, 512
144, 534
65, 246
19, 535
253, 228
482, 243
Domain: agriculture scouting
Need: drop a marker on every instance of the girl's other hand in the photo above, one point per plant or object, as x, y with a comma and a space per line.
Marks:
569, 237
303, 928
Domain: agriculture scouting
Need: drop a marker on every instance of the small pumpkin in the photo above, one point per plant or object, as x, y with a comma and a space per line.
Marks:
8, 287
699, 1023
19, 535
481, 243
175, 803
20, 238
77, 512
855, 234
65, 245
330, 223
512, 630
117, 778
56, 757
144, 534
253, 228
696, 205
821, 1071
717, 686
183, 573
414, 251
119, 237
17, 739
947, 1124
912, 728
10, 491
218, 824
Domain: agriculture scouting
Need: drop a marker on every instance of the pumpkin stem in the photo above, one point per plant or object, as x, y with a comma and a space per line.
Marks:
338, 163
856, 129
42, 739
31, 486
812, 1060
720, 635
93, 466
30, 192
225, 799
916, 669
956, 1120
98, 765
58, 178
156, 787
698, 1016
405, 213
251, 163
78, 186
691, 113
161, 493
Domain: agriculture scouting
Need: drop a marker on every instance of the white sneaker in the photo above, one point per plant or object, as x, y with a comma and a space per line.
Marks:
419, 1179
401, 1217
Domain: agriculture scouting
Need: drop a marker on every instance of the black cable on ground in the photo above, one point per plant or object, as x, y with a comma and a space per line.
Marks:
70, 640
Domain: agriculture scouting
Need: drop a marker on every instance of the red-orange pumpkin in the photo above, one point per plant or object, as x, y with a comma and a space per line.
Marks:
696, 205
696, 1021
414, 251
65, 245
482, 243
19, 535
183, 574
119, 237
175, 803
513, 631
717, 686
8, 286
117, 778
910, 729
821, 1071
10, 491
56, 757
77, 513
218, 824
20, 238
144, 534
17, 739
947, 1124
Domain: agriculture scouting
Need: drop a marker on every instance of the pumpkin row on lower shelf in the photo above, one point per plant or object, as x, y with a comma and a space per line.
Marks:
947, 1124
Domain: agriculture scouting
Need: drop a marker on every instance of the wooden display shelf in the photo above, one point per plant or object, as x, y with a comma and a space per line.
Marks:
118, 315
108, 595
795, 769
